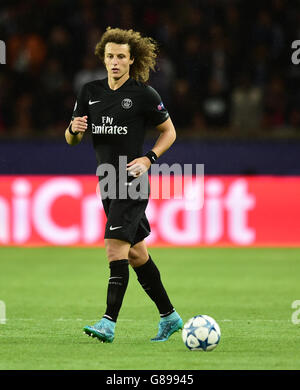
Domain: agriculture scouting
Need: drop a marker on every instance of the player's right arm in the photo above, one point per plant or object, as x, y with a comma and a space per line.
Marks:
79, 121
77, 126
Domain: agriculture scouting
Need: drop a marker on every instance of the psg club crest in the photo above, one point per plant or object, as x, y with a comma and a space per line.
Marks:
126, 103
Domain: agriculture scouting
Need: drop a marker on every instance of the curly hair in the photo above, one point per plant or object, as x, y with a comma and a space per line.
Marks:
143, 49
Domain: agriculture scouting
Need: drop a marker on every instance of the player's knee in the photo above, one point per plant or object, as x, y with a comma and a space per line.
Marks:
113, 254
136, 258
133, 257
116, 251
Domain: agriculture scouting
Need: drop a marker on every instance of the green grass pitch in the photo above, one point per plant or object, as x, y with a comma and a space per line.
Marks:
51, 293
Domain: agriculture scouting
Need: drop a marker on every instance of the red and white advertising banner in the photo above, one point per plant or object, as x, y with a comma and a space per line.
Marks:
228, 211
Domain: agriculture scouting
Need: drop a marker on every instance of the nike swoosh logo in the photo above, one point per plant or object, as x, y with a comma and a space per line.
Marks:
93, 102
114, 228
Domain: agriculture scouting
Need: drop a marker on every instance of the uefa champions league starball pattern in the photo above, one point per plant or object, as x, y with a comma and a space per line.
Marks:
201, 333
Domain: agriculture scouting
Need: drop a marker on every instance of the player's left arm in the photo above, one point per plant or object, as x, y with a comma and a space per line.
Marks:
166, 138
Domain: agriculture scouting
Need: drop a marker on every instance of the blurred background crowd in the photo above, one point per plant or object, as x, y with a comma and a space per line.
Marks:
224, 66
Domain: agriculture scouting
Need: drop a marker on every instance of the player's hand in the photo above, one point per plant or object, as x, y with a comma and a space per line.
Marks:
79, 124
138, 166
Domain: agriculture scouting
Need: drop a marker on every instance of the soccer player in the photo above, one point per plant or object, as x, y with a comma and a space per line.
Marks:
116, 111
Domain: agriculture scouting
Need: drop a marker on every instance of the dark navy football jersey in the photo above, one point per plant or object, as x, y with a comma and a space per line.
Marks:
117, 119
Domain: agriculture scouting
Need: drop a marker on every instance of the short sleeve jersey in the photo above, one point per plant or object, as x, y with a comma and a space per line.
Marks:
117, 119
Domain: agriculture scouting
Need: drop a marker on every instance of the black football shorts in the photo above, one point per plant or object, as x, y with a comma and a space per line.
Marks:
126, 219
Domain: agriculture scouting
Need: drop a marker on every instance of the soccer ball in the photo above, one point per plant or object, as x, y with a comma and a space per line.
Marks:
201, 333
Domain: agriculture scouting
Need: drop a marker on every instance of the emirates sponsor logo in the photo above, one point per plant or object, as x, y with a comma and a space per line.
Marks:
108, 128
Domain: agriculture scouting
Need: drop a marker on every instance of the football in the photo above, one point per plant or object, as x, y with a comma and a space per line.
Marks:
201, 333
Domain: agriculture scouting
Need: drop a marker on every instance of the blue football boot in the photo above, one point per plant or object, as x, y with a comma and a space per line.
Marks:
104, 330
167, 326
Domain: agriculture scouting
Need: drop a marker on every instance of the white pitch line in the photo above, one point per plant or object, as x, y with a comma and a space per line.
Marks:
130, 320
60, 319
253, 320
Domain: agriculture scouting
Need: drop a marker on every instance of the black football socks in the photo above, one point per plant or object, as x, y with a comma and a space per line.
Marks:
149, 277
117, 284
